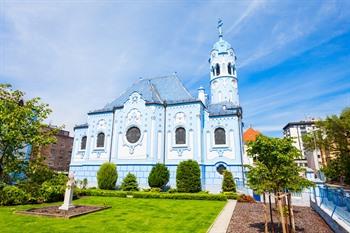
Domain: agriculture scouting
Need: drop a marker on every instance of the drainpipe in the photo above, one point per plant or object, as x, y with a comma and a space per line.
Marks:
164, 134
111, 146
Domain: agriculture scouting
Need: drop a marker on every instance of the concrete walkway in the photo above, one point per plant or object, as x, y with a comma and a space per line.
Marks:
223, 220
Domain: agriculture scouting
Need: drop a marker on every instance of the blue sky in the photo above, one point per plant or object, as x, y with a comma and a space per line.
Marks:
293, 56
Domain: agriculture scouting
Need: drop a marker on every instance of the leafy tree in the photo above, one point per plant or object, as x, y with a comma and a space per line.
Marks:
188, 177
21, 124
332, 136
275, 169
228, 184
130, 183
107, 176
159, 176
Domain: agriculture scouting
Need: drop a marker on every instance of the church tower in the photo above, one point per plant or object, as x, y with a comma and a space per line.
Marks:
223, 75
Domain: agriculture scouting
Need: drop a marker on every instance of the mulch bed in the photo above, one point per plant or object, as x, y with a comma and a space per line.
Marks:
53, 211
249, 218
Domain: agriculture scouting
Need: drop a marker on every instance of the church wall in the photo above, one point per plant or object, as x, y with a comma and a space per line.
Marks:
187, 116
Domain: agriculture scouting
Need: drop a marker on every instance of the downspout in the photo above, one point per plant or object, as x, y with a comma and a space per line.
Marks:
111, 146
241, 142
164, 135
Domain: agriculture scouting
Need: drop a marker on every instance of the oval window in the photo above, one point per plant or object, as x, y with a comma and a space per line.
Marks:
133, 134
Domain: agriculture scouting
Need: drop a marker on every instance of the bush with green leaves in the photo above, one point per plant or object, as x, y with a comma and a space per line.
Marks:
53, 190
107, 176
188, 177
12, 195
129, 183
228, 184
159, 176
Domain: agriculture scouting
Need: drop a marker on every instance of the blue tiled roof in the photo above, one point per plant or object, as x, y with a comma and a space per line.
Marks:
82, 126
224, 109
167, 89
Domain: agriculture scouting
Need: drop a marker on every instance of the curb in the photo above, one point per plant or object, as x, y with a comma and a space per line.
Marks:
222, 221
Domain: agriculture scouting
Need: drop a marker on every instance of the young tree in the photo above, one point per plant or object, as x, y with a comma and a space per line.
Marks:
21, 124
275, 171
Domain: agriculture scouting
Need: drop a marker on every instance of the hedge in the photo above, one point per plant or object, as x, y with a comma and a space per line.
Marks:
154, 195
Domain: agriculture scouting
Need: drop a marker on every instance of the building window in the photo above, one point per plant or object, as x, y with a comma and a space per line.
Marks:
83, 143
220, 169
217, 68
100, 140
220, 136
180, 136
212, 70
229, 68
133, 134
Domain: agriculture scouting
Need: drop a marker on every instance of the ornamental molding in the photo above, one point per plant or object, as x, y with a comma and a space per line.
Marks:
132, 146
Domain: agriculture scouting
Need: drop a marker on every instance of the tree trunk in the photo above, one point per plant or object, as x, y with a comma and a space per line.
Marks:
291, 214
271, 217
265, 214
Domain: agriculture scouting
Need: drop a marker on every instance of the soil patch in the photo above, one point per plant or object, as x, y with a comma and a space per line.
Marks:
53, 211
249, 218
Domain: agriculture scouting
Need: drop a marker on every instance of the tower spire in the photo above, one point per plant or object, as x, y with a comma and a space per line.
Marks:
220, 23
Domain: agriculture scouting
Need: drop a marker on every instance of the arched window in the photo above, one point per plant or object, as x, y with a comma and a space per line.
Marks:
217, 68
229, 68
83, 143
212, 70
100, 140
180, 136
220, 136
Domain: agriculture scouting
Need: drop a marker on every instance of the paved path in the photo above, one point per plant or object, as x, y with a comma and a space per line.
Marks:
223, 220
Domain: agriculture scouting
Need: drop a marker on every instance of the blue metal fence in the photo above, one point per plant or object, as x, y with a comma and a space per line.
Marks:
336, 200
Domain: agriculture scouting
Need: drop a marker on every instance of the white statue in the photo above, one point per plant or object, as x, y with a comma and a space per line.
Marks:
68, 195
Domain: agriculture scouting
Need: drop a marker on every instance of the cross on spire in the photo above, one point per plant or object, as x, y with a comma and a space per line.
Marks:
220, 23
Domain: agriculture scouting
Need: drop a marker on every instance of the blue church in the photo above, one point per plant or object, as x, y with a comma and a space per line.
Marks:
159, 121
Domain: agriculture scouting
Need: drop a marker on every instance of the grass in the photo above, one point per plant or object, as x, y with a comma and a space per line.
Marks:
126, 215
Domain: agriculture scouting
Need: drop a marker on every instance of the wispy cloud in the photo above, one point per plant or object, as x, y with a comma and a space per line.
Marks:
78, 56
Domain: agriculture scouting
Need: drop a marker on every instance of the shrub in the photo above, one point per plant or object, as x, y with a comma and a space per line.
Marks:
188, 178
179, 196
159, 176
107, 176
231, 195
130, 183
100, 192
228, 184
12, 195
155, 190
54, 189
246, 198
172, 190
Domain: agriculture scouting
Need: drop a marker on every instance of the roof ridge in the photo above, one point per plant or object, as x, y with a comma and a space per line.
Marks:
155, 90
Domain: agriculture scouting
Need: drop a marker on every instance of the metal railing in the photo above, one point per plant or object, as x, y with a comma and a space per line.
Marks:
335, 201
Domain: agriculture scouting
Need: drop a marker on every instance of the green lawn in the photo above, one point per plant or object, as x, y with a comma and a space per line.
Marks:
126, 215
